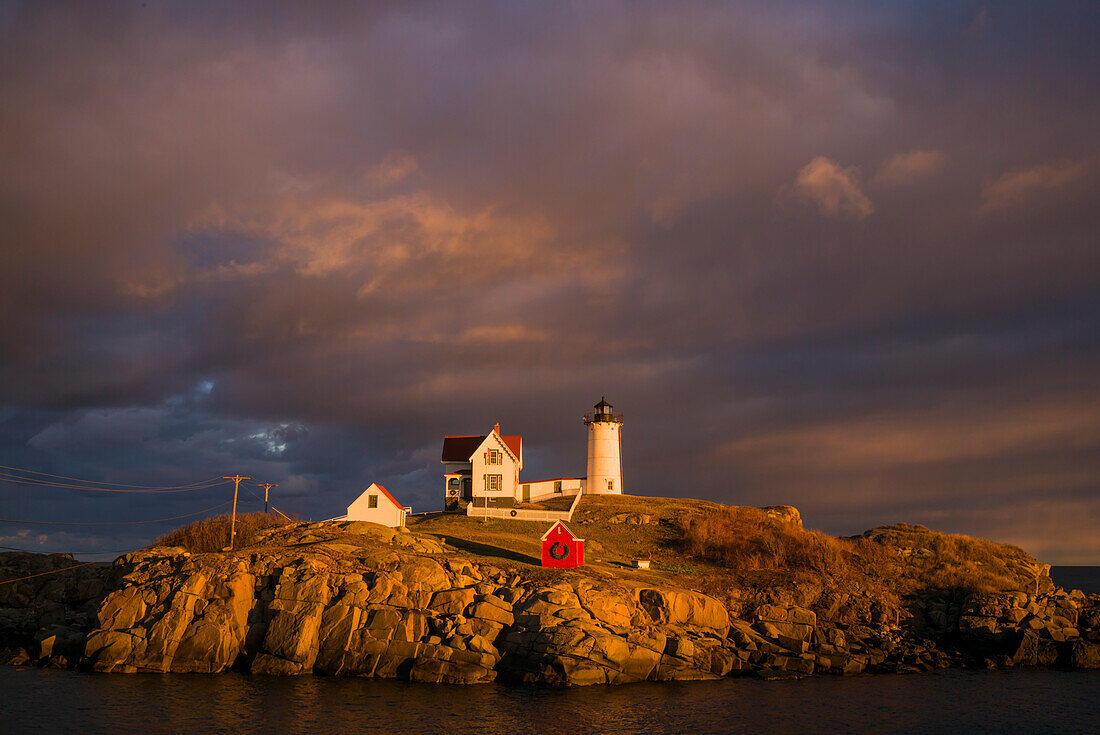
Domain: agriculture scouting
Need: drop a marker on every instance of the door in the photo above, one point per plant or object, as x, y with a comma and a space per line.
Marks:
467, 488
527, 493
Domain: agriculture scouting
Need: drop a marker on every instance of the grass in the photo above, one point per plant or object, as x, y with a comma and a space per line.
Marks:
755, 556
945, 561
517, 537
212, 534
765, 555
747, 538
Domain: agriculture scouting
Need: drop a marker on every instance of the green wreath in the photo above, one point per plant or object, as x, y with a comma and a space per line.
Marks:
558, 550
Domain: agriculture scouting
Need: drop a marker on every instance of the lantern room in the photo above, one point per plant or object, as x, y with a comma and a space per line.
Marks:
603, 411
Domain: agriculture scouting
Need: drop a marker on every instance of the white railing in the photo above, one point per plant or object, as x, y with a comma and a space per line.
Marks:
573, 507
521, 514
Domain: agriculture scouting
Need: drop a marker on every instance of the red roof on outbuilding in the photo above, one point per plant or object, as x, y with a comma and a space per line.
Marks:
388, 495
567, 529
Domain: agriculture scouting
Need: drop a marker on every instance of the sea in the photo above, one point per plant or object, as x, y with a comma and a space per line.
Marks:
948, 701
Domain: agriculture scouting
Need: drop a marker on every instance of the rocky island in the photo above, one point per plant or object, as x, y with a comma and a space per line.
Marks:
451, 599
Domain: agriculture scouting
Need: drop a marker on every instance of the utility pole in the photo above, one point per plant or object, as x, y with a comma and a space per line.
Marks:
233, 524
267, 489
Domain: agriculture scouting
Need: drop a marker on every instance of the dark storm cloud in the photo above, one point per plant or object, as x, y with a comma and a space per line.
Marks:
839, 257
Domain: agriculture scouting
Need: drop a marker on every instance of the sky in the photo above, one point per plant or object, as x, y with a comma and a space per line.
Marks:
841, 256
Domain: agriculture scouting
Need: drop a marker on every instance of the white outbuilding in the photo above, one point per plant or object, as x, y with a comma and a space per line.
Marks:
376, 505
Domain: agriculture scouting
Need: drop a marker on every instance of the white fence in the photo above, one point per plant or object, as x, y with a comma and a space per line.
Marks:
535, 492
519, 514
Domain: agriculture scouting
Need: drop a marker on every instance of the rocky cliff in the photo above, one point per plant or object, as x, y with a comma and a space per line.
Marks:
358, 600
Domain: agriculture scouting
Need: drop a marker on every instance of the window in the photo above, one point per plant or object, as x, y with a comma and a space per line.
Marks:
493, 483
557, 486
493, 456
453, 483
610, 484
372, 501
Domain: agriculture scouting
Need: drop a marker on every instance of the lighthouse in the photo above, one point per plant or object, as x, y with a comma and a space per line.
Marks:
605, 466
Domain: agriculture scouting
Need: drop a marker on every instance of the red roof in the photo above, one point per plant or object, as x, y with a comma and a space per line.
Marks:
515, 443
461, 448
387, 494
566, 528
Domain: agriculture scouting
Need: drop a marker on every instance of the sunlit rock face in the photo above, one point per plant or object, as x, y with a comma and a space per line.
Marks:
404, 610
356, 599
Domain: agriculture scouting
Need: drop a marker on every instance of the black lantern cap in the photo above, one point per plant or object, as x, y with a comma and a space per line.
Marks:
603, 413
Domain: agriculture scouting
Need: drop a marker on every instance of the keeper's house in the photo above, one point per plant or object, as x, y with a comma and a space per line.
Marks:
483, 470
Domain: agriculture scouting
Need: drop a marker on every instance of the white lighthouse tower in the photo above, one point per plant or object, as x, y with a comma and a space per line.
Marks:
605, 465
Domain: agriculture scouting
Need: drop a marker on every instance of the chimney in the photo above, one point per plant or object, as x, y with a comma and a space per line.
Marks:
496, 428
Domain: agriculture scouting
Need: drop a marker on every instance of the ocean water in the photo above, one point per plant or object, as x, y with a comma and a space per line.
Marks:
1063, 702
1086, 579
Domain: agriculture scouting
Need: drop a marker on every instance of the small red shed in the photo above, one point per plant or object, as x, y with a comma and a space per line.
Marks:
561, 548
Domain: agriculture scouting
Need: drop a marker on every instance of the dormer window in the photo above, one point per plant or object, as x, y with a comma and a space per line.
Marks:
494, 456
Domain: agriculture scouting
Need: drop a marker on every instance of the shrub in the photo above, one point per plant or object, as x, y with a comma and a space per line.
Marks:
747, 538
212, 534
901, 559
945, 561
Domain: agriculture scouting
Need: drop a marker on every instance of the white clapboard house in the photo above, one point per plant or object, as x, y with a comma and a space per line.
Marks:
483, 470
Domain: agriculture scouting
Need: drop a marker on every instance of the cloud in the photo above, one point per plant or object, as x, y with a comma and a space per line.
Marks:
323, 234
869, 443
906, 168
395, 168
1026, 186
835, 190
381, 223
502, 333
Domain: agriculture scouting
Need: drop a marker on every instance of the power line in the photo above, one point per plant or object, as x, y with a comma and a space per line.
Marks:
215, 480
71, 553
53, 571
112, 523
20, 480
64, 482
284, 515
34, 482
